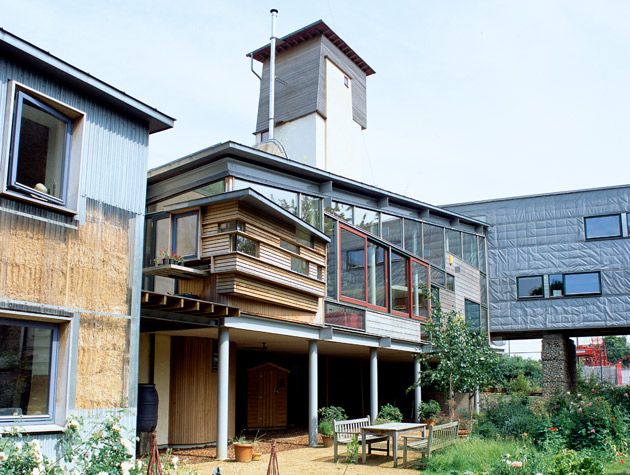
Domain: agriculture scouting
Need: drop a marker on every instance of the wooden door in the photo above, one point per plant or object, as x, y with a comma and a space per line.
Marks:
267, 397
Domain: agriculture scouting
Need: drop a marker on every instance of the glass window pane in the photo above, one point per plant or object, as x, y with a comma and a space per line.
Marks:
483, 284
438, 276
482, 253
392, 228
484, 319
299, 265
42, 150
556, 285
344, 316
377, 275
454, 242
435, 294
470, 249
185, 234
289, 246
352, 265
163, 285
211, 189
25, 369
244, 245
312, 210
582, 284
419, 282
450, 282
400, 284
434, 244
413, 237
530, 287
283, 198
366, 219
341, 210
304, 237
330, 228
603, 226
472, 313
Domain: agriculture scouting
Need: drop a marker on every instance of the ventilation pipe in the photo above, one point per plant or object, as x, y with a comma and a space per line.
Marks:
272, 72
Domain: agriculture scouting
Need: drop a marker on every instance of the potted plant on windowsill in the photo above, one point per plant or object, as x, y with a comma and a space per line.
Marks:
428, 410
168, 258
325, 429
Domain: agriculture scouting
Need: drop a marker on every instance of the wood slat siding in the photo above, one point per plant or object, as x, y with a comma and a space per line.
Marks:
447, 300
254, 289
393, 327
466, 283
267, 309
193, 393
267, 397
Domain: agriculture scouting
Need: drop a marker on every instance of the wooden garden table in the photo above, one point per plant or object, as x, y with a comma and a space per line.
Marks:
390, 429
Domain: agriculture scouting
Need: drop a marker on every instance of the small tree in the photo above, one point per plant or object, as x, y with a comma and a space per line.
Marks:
617, 349
460, 359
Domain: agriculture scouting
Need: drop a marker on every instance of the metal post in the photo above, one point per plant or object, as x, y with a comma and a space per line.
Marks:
373, 384
312, 393
222, 392
477, 400
272, 72
417, 393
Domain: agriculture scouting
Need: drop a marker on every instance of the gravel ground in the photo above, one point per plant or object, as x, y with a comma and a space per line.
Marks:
294, 458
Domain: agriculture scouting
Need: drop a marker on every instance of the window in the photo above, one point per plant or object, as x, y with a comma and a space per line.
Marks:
352, 257
400, 284
419, 285
320, 272
311, 210
289, 246
483, 286
470, 249
363, 269
377, 275
299, 265
211, 189
234, 225
529, 287
245, 245
283, 198
454, 242
482, 253
343, 316
438, 276
435, 294
450, 282
161, 284
367, 219
392, 229
472, 314
598, 227
304, 238
185, 234
27, 370
433, 237
585, 283
413, 237
556, 285
330, 228
39, 158
342, 211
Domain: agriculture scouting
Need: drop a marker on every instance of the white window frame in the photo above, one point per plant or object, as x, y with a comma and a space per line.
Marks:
71, 204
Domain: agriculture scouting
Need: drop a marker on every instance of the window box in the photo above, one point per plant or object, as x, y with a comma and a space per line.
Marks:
176, 271
42, 152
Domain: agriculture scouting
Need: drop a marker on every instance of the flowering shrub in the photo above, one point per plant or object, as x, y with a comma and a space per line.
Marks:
18, 457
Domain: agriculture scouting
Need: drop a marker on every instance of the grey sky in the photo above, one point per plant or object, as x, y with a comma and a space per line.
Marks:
471, 99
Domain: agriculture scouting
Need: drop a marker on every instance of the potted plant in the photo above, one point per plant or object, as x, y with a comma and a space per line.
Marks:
428, 410
168, 258
243, 449
325, 429
389, 413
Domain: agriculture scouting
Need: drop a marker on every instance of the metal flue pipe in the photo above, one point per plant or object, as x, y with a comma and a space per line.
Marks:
272, 72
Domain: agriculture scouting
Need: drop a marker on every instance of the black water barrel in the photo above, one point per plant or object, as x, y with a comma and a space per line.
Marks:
147, 408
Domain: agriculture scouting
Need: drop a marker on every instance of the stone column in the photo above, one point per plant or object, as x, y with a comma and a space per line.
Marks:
559, 370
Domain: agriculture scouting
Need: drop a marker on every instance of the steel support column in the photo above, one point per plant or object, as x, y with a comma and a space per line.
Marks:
373, 384
312, 393
222, 393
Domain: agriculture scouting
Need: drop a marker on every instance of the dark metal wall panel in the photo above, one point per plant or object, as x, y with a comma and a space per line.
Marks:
545, 235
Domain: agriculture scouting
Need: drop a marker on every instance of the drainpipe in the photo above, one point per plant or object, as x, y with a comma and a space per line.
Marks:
272, 72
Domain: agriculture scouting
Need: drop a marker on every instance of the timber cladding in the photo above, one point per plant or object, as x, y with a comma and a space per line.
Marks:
103, 362
267, 397
266, 277
193, 393
85, 268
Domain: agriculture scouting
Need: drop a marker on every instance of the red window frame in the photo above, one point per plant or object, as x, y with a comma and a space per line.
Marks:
428, 273
365, 302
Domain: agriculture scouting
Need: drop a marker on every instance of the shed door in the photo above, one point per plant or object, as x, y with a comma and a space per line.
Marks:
267, 407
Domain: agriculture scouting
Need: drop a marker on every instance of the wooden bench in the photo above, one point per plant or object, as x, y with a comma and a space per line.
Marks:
344, 431
439, 437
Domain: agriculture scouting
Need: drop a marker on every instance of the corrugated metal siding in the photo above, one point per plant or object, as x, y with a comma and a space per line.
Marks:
545, 235
115, 154
398, 328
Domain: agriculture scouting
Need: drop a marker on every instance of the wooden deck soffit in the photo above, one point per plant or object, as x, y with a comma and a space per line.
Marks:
183, 310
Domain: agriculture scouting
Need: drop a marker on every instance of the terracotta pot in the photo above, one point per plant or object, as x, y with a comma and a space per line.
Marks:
256, 456
327, 440
243, 452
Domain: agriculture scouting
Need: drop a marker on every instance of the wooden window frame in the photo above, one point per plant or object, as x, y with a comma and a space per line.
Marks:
174, 218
